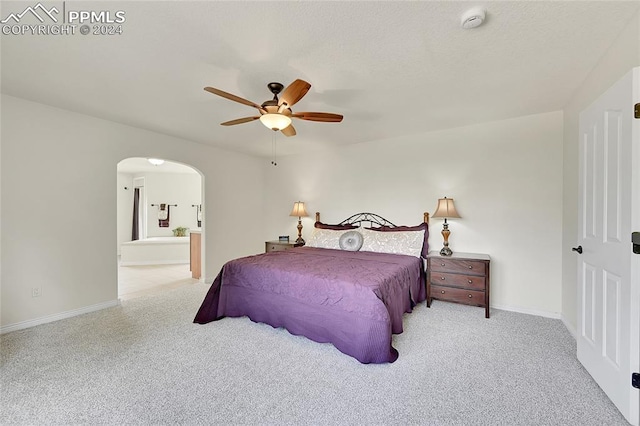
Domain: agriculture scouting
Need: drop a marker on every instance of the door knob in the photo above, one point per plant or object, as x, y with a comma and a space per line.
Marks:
578, 249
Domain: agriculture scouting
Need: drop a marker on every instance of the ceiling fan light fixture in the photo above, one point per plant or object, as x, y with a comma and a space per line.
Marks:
276, 113
275, 121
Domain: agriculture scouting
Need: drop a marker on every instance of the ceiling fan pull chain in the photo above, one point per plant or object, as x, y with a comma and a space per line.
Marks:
273, 150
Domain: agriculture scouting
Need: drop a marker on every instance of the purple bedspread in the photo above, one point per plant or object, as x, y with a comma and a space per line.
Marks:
354, 300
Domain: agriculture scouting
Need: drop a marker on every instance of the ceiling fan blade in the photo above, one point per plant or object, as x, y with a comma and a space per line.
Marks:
239, 121
325, 117
289, 130
232, 97
294, 92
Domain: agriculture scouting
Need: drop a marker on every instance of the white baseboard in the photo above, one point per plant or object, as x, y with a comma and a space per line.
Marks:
55, 317
153, 262
536, 312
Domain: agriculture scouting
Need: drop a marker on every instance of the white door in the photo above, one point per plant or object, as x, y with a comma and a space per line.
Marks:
608, 275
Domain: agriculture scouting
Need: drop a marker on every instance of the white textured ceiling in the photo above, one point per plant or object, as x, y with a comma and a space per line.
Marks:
391, 68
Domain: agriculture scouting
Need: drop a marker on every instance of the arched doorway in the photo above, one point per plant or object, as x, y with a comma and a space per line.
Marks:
156, 202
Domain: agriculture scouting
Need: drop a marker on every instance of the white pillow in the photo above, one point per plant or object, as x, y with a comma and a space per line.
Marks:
325, 238
400, 242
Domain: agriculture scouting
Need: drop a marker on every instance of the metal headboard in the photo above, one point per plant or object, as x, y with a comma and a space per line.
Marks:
372, 218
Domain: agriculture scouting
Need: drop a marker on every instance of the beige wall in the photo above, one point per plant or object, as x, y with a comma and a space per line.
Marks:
514, 181
59, 174
505, 176
621, 57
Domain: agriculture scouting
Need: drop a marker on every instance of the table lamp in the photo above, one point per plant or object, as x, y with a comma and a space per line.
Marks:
299, 212
446, 209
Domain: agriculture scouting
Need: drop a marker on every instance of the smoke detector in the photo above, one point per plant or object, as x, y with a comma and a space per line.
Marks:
473, 18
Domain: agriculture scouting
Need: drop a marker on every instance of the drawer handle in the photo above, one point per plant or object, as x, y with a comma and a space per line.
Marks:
442, 291
470, 267
469, 281
442, 264
442, 278
470, 296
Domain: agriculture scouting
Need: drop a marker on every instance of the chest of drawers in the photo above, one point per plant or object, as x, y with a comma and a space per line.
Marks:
460, 278
270, 246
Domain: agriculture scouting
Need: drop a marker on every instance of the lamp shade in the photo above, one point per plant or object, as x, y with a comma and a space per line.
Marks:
445, 209
275, 121
299, 210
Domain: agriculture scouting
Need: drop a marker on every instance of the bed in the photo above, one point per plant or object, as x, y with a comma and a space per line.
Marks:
330, 290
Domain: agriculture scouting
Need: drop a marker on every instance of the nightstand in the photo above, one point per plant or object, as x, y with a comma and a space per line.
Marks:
460, 278
270, 246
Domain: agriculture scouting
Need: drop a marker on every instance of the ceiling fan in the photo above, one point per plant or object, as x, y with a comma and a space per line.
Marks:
276, 113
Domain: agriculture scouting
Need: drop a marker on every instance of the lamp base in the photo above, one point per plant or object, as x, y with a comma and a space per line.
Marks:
446, 251
300, 240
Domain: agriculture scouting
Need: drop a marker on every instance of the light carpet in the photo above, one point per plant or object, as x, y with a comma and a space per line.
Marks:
145, 362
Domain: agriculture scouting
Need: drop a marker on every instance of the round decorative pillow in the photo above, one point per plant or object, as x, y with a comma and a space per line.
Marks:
351, 241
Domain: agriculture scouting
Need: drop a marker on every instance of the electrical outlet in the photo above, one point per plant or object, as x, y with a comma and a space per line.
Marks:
36, 291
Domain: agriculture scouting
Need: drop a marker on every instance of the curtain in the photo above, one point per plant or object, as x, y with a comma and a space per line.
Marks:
135, 228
